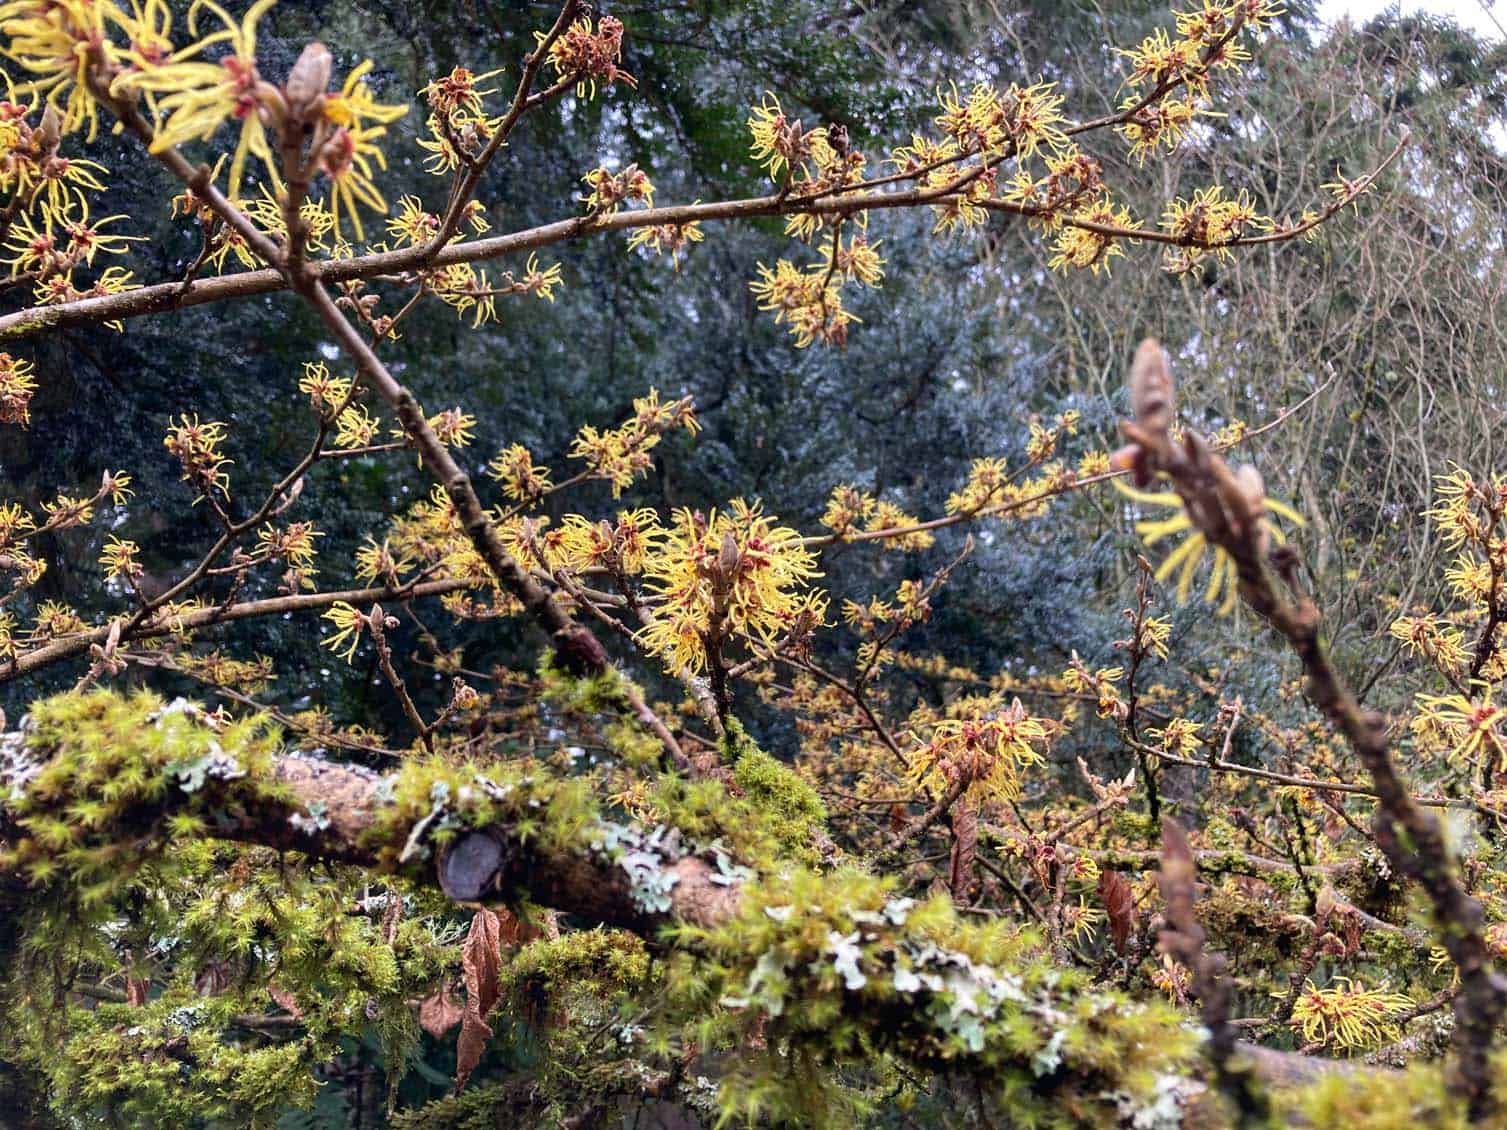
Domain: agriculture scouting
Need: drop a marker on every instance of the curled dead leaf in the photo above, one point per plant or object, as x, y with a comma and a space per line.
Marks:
439, 1011
481, 966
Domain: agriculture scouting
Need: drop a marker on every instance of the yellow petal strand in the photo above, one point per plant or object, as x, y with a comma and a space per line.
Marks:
1216, 575
1159, 498
1190, 565
1234, 590
1152, 531
1285, 511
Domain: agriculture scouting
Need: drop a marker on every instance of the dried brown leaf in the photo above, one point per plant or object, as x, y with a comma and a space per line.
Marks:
439, 1011
214, 978
481, 965
1119, 905
965, 835
286, 999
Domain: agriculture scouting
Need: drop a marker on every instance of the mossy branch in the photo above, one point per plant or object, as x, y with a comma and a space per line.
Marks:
825, 968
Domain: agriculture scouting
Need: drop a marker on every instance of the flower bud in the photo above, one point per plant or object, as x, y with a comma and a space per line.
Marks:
50, 131
728, 555
309, 79
1152, 394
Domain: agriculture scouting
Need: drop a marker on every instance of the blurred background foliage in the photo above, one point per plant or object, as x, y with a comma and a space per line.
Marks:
1391, 313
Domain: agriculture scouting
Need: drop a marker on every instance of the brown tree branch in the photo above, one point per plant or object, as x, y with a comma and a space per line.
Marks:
1229, 510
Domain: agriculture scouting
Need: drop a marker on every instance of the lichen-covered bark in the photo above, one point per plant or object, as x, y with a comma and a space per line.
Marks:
815, 968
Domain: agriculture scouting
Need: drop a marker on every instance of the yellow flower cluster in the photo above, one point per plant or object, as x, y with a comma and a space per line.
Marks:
810, 162
908, 538
347, 634
1207, 224
990, 122
1347, 1015
619, 455
381, 562
621, 548
1179, 736
1190, 551
1090, 241
1206, 42
85, 53
807, 300
120, 560
196, 446
1433, 638
733, 573
458, 124
1100, 683
521, 479
48, 230
585, 53
910, 606
610, 191
667, 239
1470, 728
17, 385
469, 290
294, 545
847, 507
985, 754
1467, 724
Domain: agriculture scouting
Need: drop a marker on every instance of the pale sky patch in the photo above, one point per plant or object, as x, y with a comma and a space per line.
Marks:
1485, 17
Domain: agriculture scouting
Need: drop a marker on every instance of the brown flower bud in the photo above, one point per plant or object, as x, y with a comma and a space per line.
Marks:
728, 555
1152, 392
1252, 488
50, 131
309, 79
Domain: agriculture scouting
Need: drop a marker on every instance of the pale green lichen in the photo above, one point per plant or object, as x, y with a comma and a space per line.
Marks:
833, 969
645, 857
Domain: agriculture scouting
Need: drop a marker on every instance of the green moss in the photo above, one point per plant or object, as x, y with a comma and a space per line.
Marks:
586, 694
431, 800
1134, 826
113, 773
482, 1107
842, 990
166, 1064
788, 806
1221, 835
837, 975
1416, 1099
608, 960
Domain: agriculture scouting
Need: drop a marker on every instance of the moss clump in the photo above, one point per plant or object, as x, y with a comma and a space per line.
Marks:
832, 971
431, 800
166, 1065
483, 1107
604, 960
1416, 1099
104, 774
788, 807
602, 693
